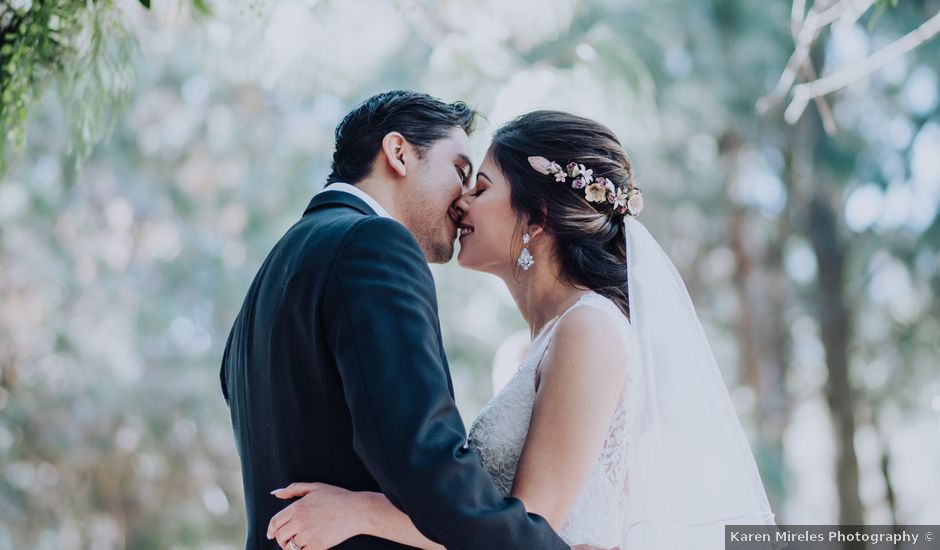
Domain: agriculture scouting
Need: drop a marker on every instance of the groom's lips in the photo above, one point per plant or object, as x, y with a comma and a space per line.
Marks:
455, 219
454, 216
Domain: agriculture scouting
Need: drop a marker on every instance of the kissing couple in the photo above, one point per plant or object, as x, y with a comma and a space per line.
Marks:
616, 431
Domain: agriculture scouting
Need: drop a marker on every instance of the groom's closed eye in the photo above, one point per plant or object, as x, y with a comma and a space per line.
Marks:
465, 168
464, 175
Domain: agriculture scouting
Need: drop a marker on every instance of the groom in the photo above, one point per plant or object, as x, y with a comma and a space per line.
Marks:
334, 370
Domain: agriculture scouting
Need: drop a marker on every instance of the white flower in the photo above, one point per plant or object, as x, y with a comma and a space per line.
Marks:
588, 175
596, 192
618, 199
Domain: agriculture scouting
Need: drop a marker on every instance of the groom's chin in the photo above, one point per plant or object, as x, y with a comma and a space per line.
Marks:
441, 254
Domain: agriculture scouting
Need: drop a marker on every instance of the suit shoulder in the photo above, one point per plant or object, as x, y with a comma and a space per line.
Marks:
382, 248
384, 236
382, 226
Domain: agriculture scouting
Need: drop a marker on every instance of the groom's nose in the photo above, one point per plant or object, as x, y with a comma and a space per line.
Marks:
463, 203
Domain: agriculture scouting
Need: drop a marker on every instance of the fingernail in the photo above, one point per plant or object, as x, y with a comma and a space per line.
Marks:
276, 491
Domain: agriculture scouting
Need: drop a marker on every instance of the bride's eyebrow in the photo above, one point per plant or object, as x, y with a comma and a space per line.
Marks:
483, 175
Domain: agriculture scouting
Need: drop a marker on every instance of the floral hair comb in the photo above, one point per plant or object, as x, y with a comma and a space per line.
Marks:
624, 200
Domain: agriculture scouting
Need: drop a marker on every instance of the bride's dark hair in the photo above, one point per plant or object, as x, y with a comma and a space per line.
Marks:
589, 236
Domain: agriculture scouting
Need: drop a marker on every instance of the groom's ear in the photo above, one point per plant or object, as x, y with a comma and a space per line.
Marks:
394, 146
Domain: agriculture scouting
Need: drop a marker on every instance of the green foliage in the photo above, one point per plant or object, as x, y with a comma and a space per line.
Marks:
83, 48
36, 42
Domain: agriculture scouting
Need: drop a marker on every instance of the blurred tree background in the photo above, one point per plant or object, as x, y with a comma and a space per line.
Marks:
808, 237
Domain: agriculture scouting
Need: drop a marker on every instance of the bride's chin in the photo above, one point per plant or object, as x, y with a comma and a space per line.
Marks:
464, 262
461, 260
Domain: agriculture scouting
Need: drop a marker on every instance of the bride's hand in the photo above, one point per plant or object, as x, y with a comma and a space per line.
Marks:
323, 517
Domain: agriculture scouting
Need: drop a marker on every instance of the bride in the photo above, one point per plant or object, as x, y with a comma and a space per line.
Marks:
617, 427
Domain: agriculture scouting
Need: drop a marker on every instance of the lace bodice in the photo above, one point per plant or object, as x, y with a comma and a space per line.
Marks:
499, 433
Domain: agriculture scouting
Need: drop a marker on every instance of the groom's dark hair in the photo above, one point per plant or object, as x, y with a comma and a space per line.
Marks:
422, 119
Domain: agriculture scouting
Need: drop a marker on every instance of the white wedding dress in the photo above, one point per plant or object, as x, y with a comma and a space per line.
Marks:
676, 467
499, 432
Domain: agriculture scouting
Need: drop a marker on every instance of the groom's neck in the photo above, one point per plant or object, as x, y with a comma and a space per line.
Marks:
383, 192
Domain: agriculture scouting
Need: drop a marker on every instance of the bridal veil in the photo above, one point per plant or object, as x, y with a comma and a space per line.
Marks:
691, 470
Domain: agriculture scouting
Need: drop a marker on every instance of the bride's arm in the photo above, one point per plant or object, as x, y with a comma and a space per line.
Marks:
325, 515
581, 381
388, 522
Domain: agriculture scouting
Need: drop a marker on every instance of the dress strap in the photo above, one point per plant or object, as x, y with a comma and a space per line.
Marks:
544, 337
596, 301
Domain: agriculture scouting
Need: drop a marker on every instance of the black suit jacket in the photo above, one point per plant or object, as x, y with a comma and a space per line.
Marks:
334, 371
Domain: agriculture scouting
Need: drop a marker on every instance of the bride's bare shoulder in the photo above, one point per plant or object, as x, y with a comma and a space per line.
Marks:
586, 344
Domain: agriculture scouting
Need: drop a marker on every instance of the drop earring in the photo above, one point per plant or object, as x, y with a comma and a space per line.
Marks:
525, 261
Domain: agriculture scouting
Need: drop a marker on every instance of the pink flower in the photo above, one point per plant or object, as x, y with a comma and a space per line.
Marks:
560, 176
573, 170
635, 202
578, 183
541, 164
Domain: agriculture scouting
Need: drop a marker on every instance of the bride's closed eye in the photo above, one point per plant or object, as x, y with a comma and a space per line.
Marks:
481, 186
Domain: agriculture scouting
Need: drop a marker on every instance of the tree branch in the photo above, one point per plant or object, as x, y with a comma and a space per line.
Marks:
805, 31
825, 112
804, 93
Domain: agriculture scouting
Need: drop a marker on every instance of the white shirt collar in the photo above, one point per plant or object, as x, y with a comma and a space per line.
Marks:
353, 190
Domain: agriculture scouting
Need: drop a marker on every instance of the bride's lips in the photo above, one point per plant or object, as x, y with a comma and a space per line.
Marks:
465, 229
